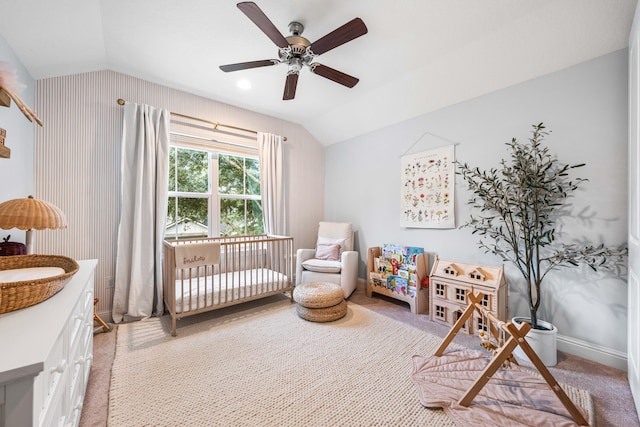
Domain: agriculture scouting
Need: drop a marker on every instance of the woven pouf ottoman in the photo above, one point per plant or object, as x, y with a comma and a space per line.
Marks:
320, 301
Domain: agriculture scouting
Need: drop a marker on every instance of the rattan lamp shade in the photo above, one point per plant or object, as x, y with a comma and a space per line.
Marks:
30, 214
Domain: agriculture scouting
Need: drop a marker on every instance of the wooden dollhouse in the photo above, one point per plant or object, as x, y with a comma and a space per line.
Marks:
449, 284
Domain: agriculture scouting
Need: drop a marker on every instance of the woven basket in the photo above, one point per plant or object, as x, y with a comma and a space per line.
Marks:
17, 295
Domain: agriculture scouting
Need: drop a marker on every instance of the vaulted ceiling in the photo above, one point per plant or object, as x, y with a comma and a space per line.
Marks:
418, 55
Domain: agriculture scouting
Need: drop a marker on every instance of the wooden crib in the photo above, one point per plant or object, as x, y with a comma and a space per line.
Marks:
205, 274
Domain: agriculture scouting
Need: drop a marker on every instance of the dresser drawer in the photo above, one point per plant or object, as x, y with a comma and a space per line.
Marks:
51, 379
76, 376
82, 314
77, 385
74, 417
81, 359
53, 411
88, 359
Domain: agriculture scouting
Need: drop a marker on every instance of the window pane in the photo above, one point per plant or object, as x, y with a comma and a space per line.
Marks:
231, 174
238, 217
232, 217
193, 171
187, 217
253, 176
254, 217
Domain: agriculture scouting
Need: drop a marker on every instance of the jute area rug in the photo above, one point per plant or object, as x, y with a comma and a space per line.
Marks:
265, 366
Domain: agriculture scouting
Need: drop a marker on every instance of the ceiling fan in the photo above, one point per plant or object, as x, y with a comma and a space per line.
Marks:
296, 51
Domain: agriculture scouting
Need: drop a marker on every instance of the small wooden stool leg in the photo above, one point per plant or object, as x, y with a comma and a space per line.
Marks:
97, 318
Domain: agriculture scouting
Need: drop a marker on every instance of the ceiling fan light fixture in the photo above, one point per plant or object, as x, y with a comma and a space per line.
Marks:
295, 65
296, 51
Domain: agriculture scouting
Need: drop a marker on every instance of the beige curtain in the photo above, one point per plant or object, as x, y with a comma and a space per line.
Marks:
270, 155
143, 211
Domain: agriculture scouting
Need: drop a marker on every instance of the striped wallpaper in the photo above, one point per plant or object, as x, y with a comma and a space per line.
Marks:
77, 163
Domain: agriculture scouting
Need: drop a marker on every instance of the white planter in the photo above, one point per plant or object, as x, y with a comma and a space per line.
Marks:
543, 342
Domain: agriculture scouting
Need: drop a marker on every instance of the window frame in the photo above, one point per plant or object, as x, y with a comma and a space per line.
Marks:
213, 196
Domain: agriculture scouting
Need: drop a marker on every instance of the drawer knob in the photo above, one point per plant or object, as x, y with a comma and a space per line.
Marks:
60, 368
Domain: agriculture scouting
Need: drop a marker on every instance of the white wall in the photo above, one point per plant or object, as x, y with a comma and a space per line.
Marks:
16, 172
78, 162
585, 107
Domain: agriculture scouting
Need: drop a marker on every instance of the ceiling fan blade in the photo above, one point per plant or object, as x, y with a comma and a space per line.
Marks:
258, 17
335, 75
290, 86
349, 31
246, 65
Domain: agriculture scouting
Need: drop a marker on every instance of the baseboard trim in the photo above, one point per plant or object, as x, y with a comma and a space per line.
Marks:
597, 353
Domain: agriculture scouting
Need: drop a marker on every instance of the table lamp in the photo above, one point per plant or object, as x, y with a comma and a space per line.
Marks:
30, 214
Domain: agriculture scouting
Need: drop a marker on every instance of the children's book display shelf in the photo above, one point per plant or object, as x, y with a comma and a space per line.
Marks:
419, 300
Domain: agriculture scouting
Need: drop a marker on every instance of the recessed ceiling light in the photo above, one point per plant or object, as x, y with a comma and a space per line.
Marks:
244, 84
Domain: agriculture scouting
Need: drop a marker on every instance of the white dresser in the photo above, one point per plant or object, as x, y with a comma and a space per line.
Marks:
45, 356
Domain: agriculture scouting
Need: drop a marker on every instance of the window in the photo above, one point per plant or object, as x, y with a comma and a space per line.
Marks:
440, 289
481, 325
461, 295
476, 275
196, 208
441, 312
485, 301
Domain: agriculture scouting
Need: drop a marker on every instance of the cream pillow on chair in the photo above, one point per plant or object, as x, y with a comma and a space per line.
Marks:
329, 252
322, 266
330, 241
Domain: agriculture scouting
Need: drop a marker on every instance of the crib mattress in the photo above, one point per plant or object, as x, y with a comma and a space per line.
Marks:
200, 292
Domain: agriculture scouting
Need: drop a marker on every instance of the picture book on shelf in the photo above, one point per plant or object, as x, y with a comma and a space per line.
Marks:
396, 269
410, 253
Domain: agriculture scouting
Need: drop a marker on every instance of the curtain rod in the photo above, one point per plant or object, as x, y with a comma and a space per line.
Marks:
121, 101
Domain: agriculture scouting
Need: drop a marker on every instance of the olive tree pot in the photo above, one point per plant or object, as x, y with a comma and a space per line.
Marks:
542, 341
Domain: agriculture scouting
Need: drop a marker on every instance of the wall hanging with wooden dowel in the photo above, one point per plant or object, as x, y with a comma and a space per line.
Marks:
9, 86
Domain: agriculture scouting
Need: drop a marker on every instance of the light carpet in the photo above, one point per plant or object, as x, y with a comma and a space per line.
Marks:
267, 367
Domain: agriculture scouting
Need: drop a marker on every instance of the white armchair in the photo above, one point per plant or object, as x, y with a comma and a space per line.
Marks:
333, 260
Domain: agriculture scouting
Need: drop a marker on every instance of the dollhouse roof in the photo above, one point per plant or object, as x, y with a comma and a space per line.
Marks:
492, 277
452, 270
478, 274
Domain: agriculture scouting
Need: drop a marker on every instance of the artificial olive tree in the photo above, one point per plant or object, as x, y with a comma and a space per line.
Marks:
517, 207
